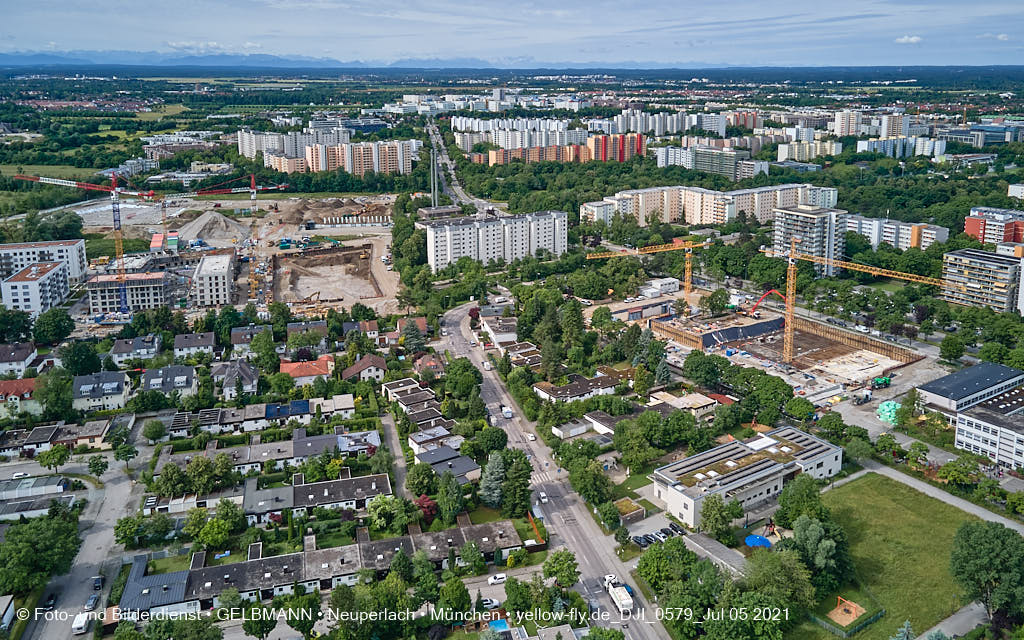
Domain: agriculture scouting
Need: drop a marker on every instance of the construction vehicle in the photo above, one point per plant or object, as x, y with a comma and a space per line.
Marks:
881, 382
792, 256
862, 398
675, 245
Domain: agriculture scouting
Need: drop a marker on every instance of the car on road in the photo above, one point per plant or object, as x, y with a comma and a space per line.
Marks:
490, 603
90, 604
472, 344
21, 474
531, 437
444, 332
50, 602
543, 497
498, 578
97, 583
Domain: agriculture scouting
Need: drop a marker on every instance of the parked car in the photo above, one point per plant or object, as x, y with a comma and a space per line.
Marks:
650, 538
659, 536
20, 475
97, 583
640, 542
668, 532
675, 526
498, 578
90, 604
490, 603
51, 601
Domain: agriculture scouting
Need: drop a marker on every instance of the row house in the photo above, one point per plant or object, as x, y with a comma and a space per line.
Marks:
138, 348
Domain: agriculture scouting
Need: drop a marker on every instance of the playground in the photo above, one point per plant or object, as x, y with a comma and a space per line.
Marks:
846, 612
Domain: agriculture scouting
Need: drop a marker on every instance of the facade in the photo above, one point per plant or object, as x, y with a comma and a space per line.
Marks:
995, 429
146, 290
138, 348
213, 280
227, 374
37, 288
1015, 191
360, 158
101, 391
369, 367
752, 471
306, 372
903, 146
847, 123
901, 235
17, 396
984, 279
15, 257
16, 357
187, 345
808, 150
821, 231
992, 226
961, 390
617, 147
487, 238
578, 388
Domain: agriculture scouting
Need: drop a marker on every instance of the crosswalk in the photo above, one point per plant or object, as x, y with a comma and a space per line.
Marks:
543, 476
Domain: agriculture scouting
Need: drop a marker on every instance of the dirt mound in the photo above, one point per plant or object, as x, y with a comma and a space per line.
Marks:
213, 226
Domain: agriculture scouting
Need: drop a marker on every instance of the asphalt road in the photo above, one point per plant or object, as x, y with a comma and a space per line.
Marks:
453, 189
566, 520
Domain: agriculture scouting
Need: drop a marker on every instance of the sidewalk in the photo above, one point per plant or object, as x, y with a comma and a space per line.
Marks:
962, 622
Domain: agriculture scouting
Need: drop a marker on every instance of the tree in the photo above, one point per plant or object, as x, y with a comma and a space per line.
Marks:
230, 599
98, 465
304, 612
421, 479
987, 561
401, 565
154, 430
15, 325
259, 622
918, 452
52, 326
33, 551
641, 380
54, 457
127, 529
454, 596
515, 490
195, 520
859, 449
492, 479
232, 515
126, 630
716, 517
450, 500
125, 453
424, 580
800, 497
951, 348
780, 576
609, 514
473, 558
54, 393
412, 339
266, 358
561, 565
664, 563
215, 533
716, 302
799, 408
824, 549
80, 358
962, 471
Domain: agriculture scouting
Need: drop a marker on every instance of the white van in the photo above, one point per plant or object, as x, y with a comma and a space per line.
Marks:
81, 624
487, 365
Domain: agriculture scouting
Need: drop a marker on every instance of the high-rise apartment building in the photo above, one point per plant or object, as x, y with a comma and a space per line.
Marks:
894, 125
487, 238
15, 257
992, 226
804, 151
618, 147
982, 279
847, 123
821, 232
291, 144
37, 288
901, 235
359, 158
146, 290
213, 280
903, 146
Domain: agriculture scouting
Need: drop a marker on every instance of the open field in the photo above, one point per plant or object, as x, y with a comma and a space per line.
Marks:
49, 170
900, 541
158, 114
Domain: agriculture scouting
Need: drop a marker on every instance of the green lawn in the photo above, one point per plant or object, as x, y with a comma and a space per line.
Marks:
160, 112
47, 170
900, 541
169, 564
889, 286
332, 539
483, 515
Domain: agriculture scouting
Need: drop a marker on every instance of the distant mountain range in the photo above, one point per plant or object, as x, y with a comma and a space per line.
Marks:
260, 60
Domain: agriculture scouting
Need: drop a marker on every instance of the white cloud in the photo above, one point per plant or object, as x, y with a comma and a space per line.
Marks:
1002, 37
193, 46
908, 39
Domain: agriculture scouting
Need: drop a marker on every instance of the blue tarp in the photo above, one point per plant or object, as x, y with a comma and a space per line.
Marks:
758, 541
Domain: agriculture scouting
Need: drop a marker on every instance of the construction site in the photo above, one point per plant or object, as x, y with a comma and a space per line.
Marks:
325, 275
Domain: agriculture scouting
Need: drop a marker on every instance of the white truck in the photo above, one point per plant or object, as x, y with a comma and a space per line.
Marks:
81, 624
623, 601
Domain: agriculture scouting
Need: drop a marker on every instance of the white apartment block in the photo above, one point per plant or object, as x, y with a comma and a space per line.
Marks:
903, 146
15, 257
212, 281
696, 205
360, 158
752, 471
901, 235
821, 232
291, 144
487, 238
847, 123
895, 125
146, 290
804, 151
37, 288
1015, 191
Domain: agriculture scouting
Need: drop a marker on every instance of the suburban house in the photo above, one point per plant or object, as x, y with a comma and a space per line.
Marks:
419, 321
348, 444
315, 327
306, 372
700, 406
241, 338
227, 374
262, 506
751, 471
501, 330
176, 377
17, 396
16, 357
429, 361
100, 391
370, 329
369, 367
523, 354
578, 388
187, 345
92, 434
343, 404
393, 388
432, 438
444, 459
138, 348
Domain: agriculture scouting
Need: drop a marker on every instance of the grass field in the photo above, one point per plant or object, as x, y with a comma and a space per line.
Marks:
97, 245
169, 564
48, 170
889, 286
900, 541
160, 112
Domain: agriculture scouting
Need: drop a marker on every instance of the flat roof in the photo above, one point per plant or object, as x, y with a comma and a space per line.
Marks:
143, 276
38, 245
35, 271
214, 265
967, 382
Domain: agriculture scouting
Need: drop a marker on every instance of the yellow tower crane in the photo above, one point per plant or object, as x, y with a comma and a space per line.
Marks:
792, 256
687, 246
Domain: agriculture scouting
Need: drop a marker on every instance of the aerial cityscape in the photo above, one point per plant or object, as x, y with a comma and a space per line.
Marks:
364, 322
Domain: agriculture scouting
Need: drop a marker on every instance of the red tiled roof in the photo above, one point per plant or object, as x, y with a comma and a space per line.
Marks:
364, 363
721, 399
322, 366
17, 387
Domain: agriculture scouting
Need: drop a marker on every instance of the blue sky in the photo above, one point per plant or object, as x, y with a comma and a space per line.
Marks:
737, 32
